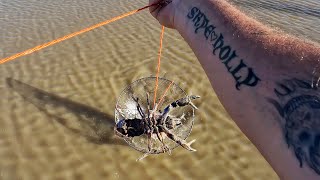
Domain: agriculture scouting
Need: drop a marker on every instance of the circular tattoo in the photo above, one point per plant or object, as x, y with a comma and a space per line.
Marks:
302, 129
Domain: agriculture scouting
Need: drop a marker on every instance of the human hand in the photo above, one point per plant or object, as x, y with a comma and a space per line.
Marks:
165, 12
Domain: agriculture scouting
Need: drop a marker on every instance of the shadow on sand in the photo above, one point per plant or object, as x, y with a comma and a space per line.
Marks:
94, 125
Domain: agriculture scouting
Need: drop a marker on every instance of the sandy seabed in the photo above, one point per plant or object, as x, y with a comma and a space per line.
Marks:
57, 105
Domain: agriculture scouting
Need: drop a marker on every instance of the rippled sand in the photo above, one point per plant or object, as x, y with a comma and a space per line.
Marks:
57, 105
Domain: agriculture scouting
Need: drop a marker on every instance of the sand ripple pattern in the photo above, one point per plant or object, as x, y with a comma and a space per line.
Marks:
57, 105
296, 17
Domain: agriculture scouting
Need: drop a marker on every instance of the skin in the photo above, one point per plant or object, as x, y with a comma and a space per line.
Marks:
265, 79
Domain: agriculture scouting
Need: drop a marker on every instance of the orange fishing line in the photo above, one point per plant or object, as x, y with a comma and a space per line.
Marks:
53, 42
158, 67
39, 47
164, 94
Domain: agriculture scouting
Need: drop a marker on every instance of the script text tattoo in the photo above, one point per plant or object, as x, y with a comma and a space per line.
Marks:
242, 74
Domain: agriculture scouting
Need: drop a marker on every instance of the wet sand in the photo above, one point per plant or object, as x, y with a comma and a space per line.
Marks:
57, 105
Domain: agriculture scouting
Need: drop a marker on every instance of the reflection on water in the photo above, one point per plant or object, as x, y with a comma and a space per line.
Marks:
56, 119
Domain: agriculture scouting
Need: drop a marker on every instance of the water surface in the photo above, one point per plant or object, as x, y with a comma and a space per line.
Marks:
57, 105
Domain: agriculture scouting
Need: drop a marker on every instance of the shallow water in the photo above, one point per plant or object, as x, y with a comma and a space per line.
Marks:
57, 105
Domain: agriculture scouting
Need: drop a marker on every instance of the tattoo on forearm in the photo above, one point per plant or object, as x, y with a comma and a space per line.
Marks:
298, 104
242, 74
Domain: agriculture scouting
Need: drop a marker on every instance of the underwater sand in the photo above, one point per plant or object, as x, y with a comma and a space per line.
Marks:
57, 105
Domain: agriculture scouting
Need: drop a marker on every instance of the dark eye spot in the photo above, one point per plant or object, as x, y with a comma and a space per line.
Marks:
304, 136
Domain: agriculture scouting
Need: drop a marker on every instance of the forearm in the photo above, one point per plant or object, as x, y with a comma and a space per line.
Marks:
256, 73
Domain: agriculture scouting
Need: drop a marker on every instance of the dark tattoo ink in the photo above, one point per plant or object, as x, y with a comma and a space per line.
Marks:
242, 74
209, 31
298, 104
218, 44
224, 52
250, 80
192, 13
226, 63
